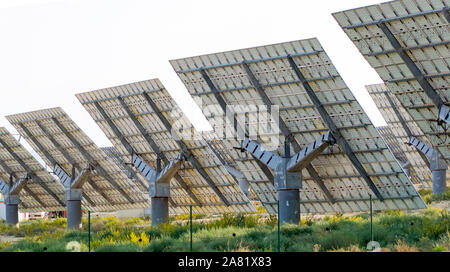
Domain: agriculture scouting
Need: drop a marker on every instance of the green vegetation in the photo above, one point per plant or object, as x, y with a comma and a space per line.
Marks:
395, 231
428, 197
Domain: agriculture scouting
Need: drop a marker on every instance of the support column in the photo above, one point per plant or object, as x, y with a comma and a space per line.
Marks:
158, 185
159, 210
287, 171
73, 204
12, 209
73, 193
289, 205
438, 168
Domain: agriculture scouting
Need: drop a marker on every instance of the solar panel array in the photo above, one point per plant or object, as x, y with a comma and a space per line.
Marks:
42, 192
268, 75
138, 118
407, 43
58, 140
395, 134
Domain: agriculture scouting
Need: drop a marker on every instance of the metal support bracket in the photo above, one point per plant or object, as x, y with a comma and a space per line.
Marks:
444, 115
159, 181
436, 161
299, 161
11, 193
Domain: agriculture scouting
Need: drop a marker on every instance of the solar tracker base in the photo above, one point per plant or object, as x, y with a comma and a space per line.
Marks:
12, 214
439, 181
159, 210
289, 201
73, 214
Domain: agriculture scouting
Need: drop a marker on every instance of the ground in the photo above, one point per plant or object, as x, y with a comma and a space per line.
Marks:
425, 230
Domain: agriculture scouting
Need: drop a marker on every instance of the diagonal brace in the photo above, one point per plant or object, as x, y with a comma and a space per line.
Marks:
303, 158
444, 115
82, 177
159, 181
268, 158
19, 185
436, 161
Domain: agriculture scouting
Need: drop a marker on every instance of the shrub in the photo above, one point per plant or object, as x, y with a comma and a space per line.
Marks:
119, 247
160, 245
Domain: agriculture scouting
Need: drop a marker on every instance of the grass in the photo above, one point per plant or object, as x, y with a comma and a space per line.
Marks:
429, 198
395, 231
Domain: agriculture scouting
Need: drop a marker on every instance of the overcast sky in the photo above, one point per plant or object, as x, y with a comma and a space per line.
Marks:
51, 50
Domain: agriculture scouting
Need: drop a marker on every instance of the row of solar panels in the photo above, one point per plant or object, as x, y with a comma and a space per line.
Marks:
298, 77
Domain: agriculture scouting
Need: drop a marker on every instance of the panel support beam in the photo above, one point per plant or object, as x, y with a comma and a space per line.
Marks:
438, 165
418, 75
333, 128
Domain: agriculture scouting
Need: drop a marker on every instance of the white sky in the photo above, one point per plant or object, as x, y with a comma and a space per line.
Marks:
52, 49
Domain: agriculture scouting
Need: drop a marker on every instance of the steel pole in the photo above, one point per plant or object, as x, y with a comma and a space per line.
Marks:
279, 222
190, 222
89, 229
371, 219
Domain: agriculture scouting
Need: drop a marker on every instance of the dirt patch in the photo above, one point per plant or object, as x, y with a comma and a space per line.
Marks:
445, 205
11, 239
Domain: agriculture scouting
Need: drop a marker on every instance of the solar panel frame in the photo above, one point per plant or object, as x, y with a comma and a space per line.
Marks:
149, 105
279, 82
57, 139
422, 30
33, 197
396, 136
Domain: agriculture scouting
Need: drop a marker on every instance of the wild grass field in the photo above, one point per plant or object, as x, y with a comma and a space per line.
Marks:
427, 230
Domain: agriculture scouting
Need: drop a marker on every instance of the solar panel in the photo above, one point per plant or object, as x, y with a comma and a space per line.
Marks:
114, 156
297, 76
41, 192
138, 118
62, 144
407, 43
396, 136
